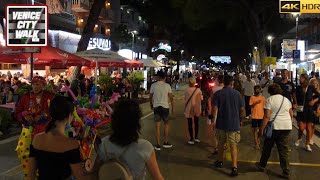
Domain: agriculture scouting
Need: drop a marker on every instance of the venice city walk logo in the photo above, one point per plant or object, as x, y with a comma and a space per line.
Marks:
27, 25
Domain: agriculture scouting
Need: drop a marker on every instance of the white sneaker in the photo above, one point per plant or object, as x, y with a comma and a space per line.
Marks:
311, 142
308, 148
297, 143
191, 142
196, 140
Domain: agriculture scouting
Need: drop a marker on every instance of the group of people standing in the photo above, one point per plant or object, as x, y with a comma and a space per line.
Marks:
261, 101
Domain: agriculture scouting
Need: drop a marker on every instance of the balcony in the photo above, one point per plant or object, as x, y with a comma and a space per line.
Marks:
80, 6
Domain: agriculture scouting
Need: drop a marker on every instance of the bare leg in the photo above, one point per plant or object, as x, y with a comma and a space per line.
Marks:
220, 151
158, 126
302, 127
234, 155
309, 132
166, 131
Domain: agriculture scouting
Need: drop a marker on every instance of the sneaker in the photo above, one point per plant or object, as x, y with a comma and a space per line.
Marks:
196, 140
311, 142
257, 164
167, 145
218, 164
234, 172
157, 147
308, 148
297, 143
191, 142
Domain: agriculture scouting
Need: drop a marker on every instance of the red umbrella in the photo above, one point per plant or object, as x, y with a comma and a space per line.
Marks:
134, 63
12, 55
55, 56
49, 56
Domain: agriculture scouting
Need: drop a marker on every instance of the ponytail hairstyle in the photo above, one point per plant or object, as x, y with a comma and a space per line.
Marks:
60, 109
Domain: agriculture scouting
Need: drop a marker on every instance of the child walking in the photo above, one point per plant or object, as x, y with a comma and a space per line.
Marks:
257, 112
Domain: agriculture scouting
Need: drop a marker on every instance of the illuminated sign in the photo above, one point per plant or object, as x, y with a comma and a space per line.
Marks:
299, 6
221, 59
100, 43
162, 46
27, 25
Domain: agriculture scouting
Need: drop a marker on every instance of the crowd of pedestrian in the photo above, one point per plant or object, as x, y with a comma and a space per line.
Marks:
227, 100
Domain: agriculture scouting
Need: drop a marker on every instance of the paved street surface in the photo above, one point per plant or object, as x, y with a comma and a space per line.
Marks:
193, 162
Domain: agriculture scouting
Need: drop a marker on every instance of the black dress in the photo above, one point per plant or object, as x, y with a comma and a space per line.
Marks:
304, 99
53, 165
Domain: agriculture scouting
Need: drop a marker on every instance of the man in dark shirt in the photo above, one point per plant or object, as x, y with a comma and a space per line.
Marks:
82, 85
229, 107
288, 88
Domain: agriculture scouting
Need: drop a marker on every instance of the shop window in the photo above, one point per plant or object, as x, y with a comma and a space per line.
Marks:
10, 66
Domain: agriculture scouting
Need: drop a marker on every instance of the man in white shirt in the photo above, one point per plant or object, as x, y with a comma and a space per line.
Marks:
265, 83
160, 92
248, 91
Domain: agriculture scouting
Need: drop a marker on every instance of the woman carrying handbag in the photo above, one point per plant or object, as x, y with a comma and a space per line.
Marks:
192, 110
277, 124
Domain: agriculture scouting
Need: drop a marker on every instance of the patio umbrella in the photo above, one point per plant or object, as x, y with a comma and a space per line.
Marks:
12, 55
54, 56
48, 56
101, 58
150, 63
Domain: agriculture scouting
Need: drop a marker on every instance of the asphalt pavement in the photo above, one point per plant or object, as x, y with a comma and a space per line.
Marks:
195, 162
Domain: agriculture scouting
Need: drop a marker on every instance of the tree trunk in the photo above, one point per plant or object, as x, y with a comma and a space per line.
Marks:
87, 32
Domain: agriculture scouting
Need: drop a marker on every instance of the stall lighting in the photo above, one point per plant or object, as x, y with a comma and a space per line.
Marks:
108, 30
81, 20
96, 25
108, 4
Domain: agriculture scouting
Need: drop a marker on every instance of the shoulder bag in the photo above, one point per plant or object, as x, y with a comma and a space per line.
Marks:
185, 106
269, 128
300, 107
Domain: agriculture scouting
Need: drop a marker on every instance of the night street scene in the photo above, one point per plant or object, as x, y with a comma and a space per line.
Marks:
159, 89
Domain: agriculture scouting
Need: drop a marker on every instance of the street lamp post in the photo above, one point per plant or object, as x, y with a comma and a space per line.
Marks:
133, 33
270, 38
297, 29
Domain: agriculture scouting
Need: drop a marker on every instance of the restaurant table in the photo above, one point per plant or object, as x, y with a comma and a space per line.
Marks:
9, 106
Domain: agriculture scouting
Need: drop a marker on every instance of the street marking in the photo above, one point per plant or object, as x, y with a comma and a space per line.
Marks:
10, 139
278, 163
13, 171
147, 115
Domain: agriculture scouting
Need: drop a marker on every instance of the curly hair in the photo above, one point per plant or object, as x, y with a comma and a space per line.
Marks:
125, 121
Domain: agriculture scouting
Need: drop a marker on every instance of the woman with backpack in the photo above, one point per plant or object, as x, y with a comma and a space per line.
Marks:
123, 154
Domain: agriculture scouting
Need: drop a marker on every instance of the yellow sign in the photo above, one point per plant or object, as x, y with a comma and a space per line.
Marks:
299, 6
270, 60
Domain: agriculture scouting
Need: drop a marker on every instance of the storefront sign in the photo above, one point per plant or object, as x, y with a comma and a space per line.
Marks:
104, 44
221, 59
27, 26
270, 60
288, 46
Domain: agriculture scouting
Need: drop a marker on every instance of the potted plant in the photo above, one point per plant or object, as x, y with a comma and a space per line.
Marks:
135, 78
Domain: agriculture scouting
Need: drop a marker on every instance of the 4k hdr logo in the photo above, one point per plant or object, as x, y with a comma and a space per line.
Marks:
299, 6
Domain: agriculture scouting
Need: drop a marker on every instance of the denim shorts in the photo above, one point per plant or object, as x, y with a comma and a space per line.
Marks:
161, 114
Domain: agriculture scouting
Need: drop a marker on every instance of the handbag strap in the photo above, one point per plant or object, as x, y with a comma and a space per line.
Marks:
190, 99
278, 110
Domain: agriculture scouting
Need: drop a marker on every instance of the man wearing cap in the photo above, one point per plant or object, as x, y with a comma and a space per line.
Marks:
160, 92
32, 109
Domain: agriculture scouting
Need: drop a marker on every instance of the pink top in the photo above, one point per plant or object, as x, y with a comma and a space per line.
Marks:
193, 108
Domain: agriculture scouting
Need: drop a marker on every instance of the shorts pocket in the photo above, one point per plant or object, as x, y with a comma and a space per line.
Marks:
237, 137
